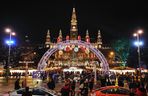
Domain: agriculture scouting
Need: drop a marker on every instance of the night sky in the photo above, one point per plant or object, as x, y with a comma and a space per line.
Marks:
33, 18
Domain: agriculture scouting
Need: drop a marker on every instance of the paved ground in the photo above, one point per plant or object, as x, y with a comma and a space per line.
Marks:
7, 87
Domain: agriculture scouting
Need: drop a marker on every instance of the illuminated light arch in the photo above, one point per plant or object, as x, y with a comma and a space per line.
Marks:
42, 63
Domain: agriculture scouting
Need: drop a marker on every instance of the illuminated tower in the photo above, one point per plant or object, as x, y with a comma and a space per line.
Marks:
48, 42
59, 39
99, 39
73, 29
87, 38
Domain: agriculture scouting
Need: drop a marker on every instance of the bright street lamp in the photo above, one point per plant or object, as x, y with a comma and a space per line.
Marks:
138, 43
9, 43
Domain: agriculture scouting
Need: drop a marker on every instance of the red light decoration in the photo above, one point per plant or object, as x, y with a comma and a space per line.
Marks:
79, 37
67, 37
67, 49
87, 39
92, 55
83, 48
58, 39
84, 55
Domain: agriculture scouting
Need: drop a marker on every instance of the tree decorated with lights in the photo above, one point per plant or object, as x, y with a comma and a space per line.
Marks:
121, 48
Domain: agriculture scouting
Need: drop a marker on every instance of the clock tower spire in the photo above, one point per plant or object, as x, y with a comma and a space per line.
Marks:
73, 29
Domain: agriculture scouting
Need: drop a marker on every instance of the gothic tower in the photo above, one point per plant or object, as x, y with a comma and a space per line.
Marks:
60, 34
48, 42
60, 38
87, 38
73, 29
99, 39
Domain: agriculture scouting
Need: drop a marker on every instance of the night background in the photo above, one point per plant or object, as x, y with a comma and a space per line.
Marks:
69, 59
114, 19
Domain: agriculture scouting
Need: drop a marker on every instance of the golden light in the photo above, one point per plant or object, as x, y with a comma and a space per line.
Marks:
87, 51
99, 46
60, 52
73, 46
51, 46
74, 27
111, 53
34, 53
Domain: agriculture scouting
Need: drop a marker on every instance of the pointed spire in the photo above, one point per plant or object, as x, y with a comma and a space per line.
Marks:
99, 39
87, 39
73, 18
47, 43
87, 33
59, 39
48, 33
60, 33
73, 29
99, 34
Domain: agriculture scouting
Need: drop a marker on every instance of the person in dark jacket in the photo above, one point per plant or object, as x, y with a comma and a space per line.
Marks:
17, 84
73, 85
27, 92
65, 91
51, 84
91, 84
85, 88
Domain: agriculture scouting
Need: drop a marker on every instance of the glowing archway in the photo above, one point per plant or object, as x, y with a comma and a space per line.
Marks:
42, 63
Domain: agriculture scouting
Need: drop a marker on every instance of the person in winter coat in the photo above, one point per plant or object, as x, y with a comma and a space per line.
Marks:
51, 84
141, 92
27, 92
91, 84
73, 85
85, 88
65, 90
17, 84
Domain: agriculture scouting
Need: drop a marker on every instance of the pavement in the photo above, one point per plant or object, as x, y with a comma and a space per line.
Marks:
5, 88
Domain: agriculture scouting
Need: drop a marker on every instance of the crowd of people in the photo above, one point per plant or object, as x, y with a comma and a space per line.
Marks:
17, 84
137, 83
